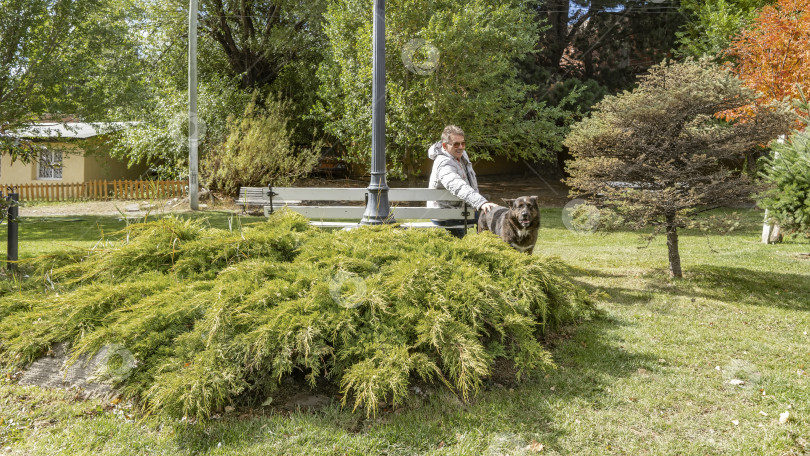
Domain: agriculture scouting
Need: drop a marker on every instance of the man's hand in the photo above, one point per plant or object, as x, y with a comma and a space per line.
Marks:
486, 207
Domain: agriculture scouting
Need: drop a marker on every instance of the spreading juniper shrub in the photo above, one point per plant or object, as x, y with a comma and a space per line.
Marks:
143, 247
214, 317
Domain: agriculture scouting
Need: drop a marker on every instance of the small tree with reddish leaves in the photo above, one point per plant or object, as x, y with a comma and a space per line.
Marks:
772, 55
658, 156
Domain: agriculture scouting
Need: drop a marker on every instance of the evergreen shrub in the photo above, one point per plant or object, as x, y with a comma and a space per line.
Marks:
215, 317
258, 150
787, 173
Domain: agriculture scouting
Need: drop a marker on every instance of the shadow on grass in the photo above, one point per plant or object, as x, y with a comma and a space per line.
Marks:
618, 294
590, 361
732, 284
720, 283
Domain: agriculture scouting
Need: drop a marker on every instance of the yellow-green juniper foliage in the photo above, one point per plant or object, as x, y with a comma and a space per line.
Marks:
215, 317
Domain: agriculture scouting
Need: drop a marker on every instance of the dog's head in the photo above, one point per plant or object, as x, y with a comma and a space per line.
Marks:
524, 211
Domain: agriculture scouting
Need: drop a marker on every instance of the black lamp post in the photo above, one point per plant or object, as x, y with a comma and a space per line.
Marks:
378, 208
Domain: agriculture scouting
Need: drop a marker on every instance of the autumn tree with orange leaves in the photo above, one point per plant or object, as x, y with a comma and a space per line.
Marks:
772, 55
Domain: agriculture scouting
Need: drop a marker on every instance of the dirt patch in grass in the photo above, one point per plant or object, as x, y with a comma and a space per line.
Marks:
129, 208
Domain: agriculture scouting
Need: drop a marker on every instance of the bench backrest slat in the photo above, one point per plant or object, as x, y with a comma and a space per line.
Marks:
343, 194
421, 194
320, 194
356, 212
329, 212
402, 213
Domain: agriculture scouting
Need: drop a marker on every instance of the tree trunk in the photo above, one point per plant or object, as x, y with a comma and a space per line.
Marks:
672, 246
556, 37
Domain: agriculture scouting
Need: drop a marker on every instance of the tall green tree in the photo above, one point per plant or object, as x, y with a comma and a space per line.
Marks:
64, 57
252, 49
596, 48
447, 62
608, 42
660, 157
160, 138
270, 46
713, 24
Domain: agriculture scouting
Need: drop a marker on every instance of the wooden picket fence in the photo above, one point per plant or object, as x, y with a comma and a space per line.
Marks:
101, 190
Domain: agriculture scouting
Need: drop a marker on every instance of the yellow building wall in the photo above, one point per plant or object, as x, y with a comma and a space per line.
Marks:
98, 167
77, 166
18, 173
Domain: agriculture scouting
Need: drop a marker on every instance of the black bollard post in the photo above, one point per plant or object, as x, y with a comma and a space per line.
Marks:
13, 231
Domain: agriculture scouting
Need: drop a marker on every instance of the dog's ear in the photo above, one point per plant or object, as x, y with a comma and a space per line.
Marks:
533, 199
508, 201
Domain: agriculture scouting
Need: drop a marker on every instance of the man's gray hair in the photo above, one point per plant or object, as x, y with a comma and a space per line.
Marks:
451, 130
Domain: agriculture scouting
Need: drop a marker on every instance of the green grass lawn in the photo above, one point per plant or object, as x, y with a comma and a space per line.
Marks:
702, 365
40, 235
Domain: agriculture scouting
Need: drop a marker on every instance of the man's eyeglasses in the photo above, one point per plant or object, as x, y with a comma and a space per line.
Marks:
458, 144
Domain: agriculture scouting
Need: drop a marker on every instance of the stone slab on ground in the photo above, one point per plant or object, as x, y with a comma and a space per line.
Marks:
52, 371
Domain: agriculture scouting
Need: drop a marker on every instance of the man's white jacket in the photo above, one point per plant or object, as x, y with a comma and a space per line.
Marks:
449, 173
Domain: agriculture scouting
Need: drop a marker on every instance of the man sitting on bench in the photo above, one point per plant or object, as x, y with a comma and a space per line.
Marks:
453, 171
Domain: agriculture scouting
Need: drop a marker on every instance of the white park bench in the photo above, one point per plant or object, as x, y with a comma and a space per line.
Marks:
322, 210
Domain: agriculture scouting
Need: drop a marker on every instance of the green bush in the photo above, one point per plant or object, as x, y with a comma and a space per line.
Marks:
788, 174
217, 317
258, 151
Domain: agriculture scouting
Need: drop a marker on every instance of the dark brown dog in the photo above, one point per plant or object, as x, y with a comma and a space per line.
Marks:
516, 224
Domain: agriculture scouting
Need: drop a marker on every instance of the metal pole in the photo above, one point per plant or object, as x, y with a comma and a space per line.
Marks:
192, 107
378, 208
767, 227
13, 231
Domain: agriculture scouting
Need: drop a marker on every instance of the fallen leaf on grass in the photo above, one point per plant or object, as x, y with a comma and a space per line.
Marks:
784, 417
737, 382
441, 444
735, 422
763, 413
535, 447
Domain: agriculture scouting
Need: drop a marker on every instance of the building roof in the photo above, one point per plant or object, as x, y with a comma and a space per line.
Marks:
69, 130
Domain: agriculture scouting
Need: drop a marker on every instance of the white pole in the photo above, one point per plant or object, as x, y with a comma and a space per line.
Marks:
192, 107
767, 227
